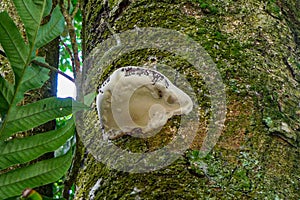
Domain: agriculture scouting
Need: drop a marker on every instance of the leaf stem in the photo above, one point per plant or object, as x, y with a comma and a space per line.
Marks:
45, 65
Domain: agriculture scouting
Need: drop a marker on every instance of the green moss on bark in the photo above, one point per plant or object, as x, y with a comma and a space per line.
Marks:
255, 51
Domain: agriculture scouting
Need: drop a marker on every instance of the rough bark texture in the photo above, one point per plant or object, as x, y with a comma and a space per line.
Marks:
255, 46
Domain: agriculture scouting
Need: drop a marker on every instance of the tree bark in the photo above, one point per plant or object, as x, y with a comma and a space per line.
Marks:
51, 53
255, 46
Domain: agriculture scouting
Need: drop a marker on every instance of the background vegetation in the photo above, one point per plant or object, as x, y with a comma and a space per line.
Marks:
20, 166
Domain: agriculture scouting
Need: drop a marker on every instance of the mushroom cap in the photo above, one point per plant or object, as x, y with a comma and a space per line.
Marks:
136, 98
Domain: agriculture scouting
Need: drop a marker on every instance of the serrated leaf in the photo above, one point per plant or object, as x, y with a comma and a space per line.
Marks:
22, 150
13, 44
31, 14
22, 118
52, 29
6, 94
34, 77
14, 182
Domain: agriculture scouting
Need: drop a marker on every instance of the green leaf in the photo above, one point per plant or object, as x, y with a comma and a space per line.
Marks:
90, 98
52, 29
6, 94
22, 150
22, 118
47, 8
31, 13
14, 182
34, 77
15, 118
13, 44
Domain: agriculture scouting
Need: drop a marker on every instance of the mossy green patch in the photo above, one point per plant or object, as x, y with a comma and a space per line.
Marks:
254, 51
274, 9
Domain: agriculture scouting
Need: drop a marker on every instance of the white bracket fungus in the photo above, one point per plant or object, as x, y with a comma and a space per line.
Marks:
139, 101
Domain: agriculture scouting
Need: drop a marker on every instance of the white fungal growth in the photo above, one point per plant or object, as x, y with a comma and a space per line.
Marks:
139, 101
94, 189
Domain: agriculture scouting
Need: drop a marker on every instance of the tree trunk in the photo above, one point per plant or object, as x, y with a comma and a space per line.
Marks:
255, 47
51, 53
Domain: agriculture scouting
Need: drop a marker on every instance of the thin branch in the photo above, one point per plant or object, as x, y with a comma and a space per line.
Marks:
68, 49
46, 66
69, 5
75, 10
72, 33
52, 69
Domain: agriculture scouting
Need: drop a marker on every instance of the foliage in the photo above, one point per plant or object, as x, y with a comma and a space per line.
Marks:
15, 117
